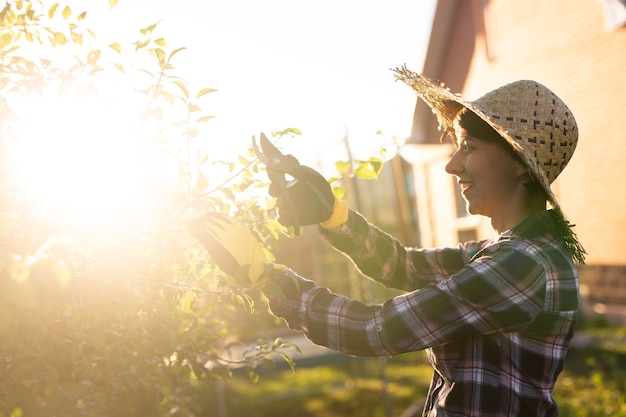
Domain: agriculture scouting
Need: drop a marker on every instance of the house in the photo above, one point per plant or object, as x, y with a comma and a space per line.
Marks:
578, 49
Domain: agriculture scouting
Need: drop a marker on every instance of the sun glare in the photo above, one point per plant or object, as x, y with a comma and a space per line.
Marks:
79, 157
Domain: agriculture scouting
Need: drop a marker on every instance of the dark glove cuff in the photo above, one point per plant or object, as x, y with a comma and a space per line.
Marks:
286, 301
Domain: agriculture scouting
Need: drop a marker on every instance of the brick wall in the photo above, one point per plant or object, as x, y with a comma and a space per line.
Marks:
604, 284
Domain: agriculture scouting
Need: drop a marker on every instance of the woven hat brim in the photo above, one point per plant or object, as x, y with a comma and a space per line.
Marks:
447, 106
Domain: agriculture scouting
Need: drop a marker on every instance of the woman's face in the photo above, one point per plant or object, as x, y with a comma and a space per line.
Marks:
490, 178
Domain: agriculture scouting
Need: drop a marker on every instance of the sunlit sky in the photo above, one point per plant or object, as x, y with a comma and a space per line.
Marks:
321, 66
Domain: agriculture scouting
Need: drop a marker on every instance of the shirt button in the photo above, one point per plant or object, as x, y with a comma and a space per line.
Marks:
379, 329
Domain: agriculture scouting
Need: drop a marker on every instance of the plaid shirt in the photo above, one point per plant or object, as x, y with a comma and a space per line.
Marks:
495, 316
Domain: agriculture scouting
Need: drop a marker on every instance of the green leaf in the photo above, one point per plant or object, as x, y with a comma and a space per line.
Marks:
342, 166
58, 39
174, 52
141, 44
160, 54
183, 88
168, 97
339, 192
52, 10
148, 29
67, 12
376, 164
5, 39
204, 91
290, 361
93, 57
186, 302
204, 119
77, 38
366, 172
160, 42
116, 47
289, 130
245, 301
82, 16
145, 71
253, 376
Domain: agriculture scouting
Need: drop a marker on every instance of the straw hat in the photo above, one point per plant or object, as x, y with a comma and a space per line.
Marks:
530, 117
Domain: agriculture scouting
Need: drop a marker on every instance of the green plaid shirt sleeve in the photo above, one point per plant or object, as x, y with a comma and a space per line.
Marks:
383, 258
495, 317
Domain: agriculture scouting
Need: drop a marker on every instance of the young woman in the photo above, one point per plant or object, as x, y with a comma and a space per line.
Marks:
494, 316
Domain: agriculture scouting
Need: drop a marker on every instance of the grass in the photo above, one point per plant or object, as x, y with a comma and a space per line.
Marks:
592, 384
355, 387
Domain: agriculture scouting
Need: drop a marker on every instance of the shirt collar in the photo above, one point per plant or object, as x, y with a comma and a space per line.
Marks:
535, 225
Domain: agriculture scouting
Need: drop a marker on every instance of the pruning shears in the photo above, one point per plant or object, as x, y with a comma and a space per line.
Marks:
278, 164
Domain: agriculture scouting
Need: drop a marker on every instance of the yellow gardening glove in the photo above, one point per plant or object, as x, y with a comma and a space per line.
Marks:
339, 215
233, 248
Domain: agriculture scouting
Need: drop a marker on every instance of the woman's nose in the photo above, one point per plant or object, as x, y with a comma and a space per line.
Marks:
455, 164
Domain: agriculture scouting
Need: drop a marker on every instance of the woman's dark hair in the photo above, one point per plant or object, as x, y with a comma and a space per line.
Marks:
481, 130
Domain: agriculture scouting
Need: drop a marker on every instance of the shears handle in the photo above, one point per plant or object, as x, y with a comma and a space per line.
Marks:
278, 165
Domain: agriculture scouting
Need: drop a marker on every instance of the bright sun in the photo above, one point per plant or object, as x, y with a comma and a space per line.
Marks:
79, 158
